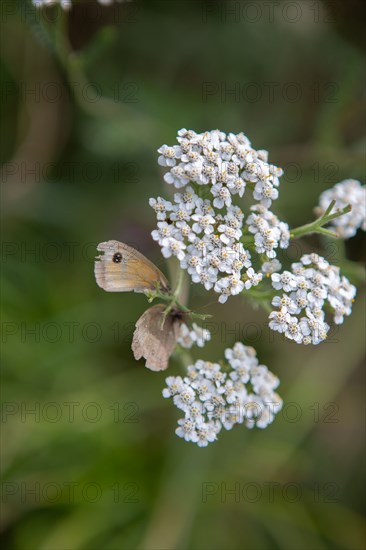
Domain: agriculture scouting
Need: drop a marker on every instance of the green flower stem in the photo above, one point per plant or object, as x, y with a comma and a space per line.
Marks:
173, 299
72, 65
175, 296
317, 225
247, 240
183, 357
180, 282
260, 295
266, 305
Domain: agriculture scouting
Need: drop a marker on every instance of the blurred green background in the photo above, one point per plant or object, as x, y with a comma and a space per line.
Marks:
97, 464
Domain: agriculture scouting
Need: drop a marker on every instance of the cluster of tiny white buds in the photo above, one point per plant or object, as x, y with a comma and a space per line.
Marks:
202, 226
193, 336
272, 266
67, 4
227, 162
311, 284
206, 243
212, 399
269, 232
347, 192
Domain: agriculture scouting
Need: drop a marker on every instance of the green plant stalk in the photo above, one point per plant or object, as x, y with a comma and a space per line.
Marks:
317, 225
72, 65
179, 284
173, 299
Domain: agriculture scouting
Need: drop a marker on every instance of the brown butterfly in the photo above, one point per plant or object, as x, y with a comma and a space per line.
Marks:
156, 336
121, 268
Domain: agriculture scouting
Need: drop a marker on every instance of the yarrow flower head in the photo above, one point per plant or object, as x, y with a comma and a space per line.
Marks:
311, 285
203, 226
67, 4
212, 398
231, 251
195, 336
344, 193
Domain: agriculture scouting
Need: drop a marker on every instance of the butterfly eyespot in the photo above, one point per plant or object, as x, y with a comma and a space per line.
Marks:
117, 258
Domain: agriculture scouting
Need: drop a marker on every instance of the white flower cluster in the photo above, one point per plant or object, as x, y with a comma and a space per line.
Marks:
269, 231
344, 193
195, 336
66, 4
271, 267
311, 284
212, 399
201, 226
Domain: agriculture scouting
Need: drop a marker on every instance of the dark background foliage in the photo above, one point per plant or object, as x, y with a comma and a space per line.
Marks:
97, 464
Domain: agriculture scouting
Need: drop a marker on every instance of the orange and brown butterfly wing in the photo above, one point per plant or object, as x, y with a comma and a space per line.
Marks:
152, 342
121, 268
